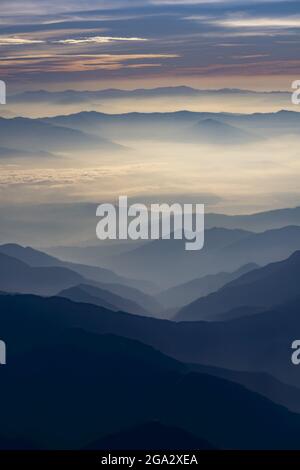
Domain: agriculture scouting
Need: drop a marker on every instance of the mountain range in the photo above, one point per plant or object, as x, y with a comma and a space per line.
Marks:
255, 343
168, 263
110, 376
261, 288
18, 277
36, 138
184, 294
67, 230
90, 294
94, 385
182, 125
76, 96
133, 345
37, 258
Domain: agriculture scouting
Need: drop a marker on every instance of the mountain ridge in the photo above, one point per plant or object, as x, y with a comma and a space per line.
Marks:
261, 288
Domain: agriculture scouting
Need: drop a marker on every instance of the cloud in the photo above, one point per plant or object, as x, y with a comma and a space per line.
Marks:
261, 68
36, 64
250, 56
11, 177
194, 33
13, 41
287, 22
98, 40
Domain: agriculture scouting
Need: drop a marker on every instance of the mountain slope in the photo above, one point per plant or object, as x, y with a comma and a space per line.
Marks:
259, 222
262, 383
258, 343
93, 385
176, 125
33, 135
16, 276
262, 288
183, 294
54, 225
168, 263
36, 258
213, 131
101, 279
95, 295
151, 436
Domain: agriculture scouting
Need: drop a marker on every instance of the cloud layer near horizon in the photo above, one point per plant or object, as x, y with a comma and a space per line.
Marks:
67, 42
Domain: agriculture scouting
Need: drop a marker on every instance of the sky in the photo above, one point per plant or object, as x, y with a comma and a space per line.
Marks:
90, 44
99, 44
